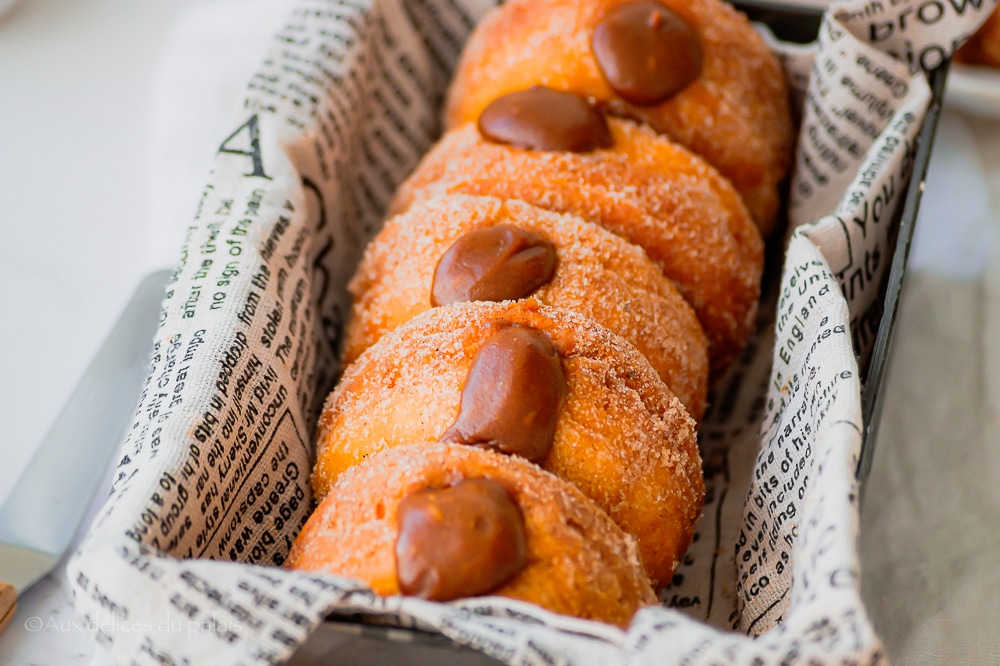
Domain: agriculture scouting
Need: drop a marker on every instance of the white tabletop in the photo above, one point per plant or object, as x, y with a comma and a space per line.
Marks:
76, 84
75, 79
76, 182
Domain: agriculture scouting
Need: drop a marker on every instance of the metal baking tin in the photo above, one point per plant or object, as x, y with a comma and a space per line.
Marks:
347, 641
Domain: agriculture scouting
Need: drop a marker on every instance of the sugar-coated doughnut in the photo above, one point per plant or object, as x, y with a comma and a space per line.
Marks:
578, 562
595, 273
983, 48
695, 70
497, 375
646, 189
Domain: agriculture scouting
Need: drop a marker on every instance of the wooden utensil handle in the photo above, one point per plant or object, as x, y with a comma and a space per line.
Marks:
8, 604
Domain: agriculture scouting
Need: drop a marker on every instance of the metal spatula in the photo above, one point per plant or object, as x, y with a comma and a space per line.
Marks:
44, 510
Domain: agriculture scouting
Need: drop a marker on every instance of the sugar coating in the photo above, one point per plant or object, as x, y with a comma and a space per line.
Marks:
653, 193
983, 47
598, 275
579, 562
736, 114
622, 436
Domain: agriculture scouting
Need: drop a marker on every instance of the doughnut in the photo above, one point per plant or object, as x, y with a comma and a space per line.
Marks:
695, 70
560, 260
653, 193
531, 380
445, 521
983, 48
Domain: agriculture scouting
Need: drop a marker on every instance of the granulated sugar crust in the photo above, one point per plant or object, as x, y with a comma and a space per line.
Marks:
735, 114
579, 562
671, 203
622, 437
598, 275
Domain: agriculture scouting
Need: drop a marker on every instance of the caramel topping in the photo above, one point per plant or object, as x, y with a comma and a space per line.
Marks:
511, 398
459, 541
647, 53
541, 118
495, 263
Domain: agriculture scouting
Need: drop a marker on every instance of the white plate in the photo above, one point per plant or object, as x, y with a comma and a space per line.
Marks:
975, 90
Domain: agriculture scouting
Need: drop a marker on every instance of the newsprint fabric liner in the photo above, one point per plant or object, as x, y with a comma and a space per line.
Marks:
182, 566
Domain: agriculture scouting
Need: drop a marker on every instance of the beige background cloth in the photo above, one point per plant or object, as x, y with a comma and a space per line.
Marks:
930, 522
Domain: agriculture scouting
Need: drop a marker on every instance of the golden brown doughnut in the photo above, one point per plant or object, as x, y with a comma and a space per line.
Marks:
597, 274
619, 434
654, 193
983, 48
735, 113
578, 561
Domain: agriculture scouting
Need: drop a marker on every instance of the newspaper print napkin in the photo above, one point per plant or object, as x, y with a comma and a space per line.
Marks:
181, 565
